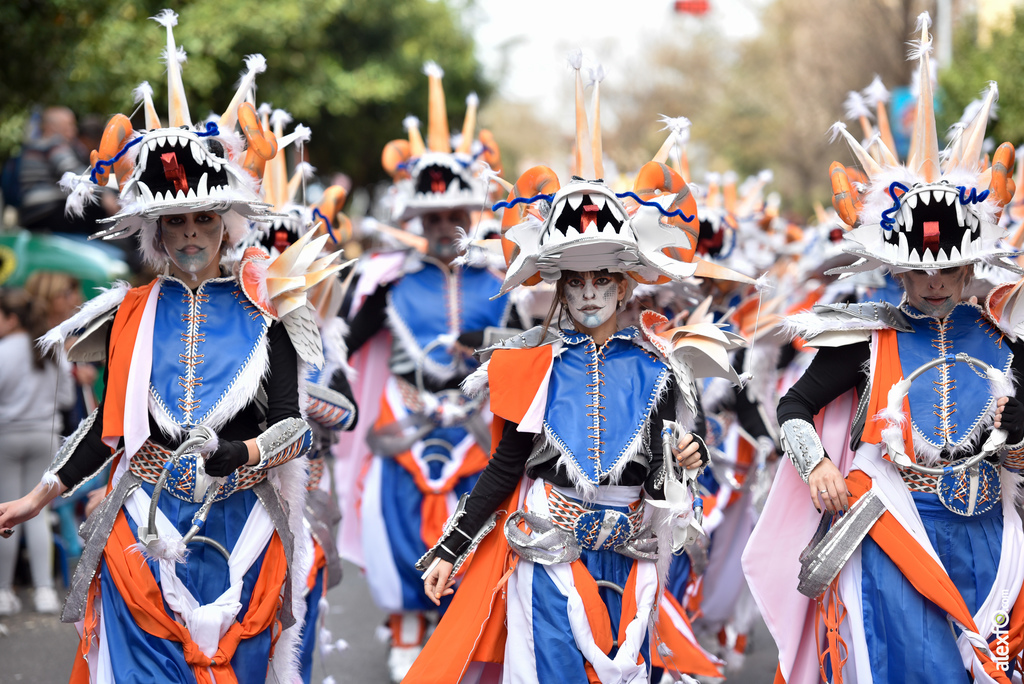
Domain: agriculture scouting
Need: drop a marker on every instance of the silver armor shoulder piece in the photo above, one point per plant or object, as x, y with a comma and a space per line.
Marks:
802, 445
846, 318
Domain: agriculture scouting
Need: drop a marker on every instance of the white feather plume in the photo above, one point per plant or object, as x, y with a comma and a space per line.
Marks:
596, 75
142, 91
432, 68
280, 116
875, 92
836, 130
410, 122
256, 63
167, 18
473, 100
855, 107
575, 59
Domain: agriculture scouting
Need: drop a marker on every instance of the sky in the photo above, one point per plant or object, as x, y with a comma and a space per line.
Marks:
532, 37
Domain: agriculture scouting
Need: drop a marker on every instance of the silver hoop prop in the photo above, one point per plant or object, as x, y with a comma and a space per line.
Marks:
148, 534
444, 408
959, 484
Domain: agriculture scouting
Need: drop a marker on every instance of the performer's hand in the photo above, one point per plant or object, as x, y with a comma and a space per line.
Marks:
1010, 417
690, 452
828, 486
18, 511
229, 457
439, 577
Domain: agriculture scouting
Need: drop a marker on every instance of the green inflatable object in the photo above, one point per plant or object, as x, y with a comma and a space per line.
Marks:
23, 252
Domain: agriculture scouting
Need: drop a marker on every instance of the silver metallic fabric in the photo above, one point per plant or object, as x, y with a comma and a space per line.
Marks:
886, 314
827, 553
275, 441
450, 529
802, 445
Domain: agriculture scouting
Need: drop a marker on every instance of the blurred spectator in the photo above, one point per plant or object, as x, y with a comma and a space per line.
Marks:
32, 390
44, 160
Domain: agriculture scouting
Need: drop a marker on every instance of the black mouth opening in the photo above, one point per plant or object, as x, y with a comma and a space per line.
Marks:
710, 239
436, 179
586, 213
935, 224
171, 168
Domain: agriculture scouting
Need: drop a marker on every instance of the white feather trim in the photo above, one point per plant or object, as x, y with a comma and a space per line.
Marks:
836, 130
265, 109
924, 21
50, 481
108, 299
302, 134
476, 382
173, 550
290, 480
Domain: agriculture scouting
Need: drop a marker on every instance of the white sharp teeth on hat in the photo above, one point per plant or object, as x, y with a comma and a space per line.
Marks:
959, 214
928, 257
908, 217
143, 156
181, 195
203, 190
965, 244
599, 201
609, 227
558, 208
954, 254
912, 201
197, 154
938, 195
904, 249
158, 196
191, 194
926, 197
572, 233
575, 200
144, 192
152, 144
941, 256
950, 197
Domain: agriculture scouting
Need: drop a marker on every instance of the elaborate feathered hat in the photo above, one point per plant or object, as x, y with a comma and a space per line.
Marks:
649, 233
183, 167
431, 176
935, 210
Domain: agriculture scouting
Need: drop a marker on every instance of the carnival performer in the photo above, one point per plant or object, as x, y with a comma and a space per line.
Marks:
190, 571
592, 509
329, 404
919, 580
429, 441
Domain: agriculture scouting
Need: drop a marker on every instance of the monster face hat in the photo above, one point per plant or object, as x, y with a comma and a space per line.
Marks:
430, 176
182, 167
936, 210
649, 233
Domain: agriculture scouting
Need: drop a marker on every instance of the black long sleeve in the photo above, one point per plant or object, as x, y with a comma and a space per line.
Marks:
833, 370
369, 320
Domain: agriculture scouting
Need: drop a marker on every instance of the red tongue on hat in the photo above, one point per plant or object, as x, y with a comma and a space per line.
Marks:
588, 216
931, 236
174, 172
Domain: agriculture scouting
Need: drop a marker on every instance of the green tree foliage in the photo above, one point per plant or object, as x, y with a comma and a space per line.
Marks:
349, 69
974, 65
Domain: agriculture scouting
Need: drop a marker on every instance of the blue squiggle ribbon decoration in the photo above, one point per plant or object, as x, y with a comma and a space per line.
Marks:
887, 219
521, 200
110, 162
211, 129
974, 197
664, 212
330, 229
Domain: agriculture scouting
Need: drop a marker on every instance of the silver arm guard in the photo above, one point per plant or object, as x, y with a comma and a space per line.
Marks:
802, 445
282, 442
453, 534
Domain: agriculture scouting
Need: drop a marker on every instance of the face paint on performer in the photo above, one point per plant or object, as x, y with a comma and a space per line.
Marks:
192, 241
936, 292
591, 298
441, 230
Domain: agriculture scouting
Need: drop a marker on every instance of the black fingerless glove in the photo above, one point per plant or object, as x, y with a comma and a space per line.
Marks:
229, 457
1012, 420
702, 449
